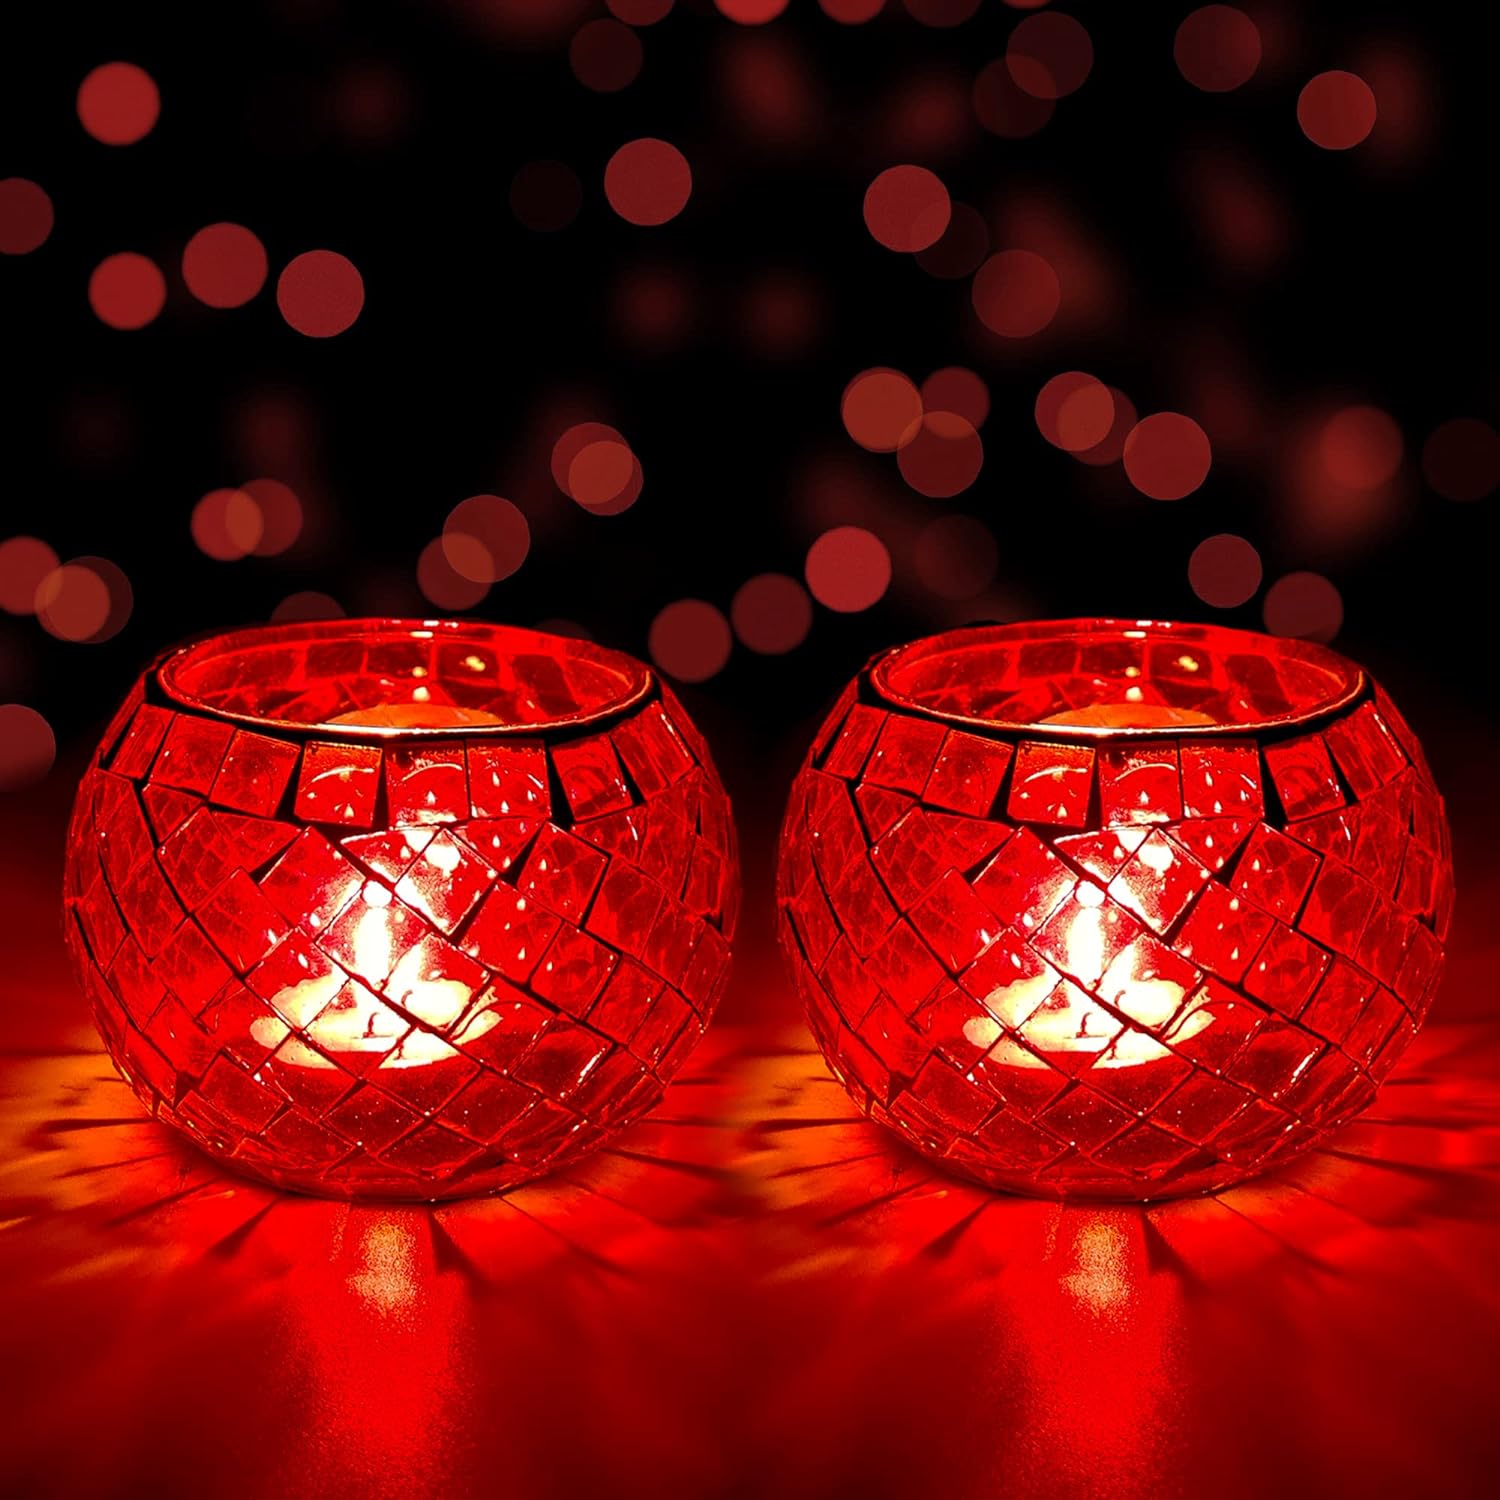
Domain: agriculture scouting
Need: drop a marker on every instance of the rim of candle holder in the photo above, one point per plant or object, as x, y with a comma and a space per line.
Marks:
638, 680
1349, 682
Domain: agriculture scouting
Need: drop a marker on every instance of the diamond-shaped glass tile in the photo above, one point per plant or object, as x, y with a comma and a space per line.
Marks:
561, 872
967, 774
955, 923
339, 784
1140, 784
509, 780
1158, 882
138, 747
191, 753
445, 881
904, 754
509, 933
1222, 933
573, 971
371, 933
311, 883
433, 982
255, 773
591, 777
1275, 872
1286, 970
1024, 882
1304, 777
1051, 784
426, 784
1221, 780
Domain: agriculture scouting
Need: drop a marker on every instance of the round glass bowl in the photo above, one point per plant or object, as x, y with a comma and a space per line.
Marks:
400, 909
1113, 909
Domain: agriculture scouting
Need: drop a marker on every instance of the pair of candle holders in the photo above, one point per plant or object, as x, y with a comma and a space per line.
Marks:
1087, 908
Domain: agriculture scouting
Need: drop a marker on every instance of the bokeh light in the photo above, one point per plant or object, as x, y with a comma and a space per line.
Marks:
848, 569
27, 747
961, 248
1461, 459
1167, 456
907, 208
881, 409
1360, 447
690, 640
224, 265
307, 604
281, 517
1075, 411
601, 473
1305, 605
320, 293
771, 614
648, 181
121, 597
1089, 407
594, 465
1016, 293
654, 307
768, 91
1049, 56
1224, 570
1408, 99
956, 557
1111, 449
751, 13
1336, 110
73, 603
956, 389
371, 102
499, 530
227, 524
26, 216
943, 456
24, 562
127, 291
118, 103
781, 314
546, 195
639, 12
605, 56
1003, 107
446, 586
1217, 48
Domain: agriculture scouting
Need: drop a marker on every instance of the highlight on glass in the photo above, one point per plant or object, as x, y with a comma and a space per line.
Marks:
1114, 909
400, 909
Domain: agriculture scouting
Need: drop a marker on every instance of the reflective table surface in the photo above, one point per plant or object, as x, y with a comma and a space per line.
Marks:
752, 1292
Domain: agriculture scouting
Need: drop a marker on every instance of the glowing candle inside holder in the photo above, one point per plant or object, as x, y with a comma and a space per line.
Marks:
1113, 909
400, 909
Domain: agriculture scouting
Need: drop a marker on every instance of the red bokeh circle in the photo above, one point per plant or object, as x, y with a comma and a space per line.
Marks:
320, 293
224, 265
1167, 456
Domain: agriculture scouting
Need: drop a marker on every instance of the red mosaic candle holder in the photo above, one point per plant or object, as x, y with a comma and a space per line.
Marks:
396, 909
1116, 910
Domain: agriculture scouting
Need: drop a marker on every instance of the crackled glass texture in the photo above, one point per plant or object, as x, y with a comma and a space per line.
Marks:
1115, 910
393, 909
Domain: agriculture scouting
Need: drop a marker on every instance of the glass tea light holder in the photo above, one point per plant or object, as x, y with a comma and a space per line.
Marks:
1113, 909
400, 909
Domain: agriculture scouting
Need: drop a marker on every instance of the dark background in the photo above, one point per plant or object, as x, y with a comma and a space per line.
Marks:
391, 133
756, 1295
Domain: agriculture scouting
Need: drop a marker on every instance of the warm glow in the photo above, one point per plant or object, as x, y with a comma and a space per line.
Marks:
1129, 715
418, 714
343, 1016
